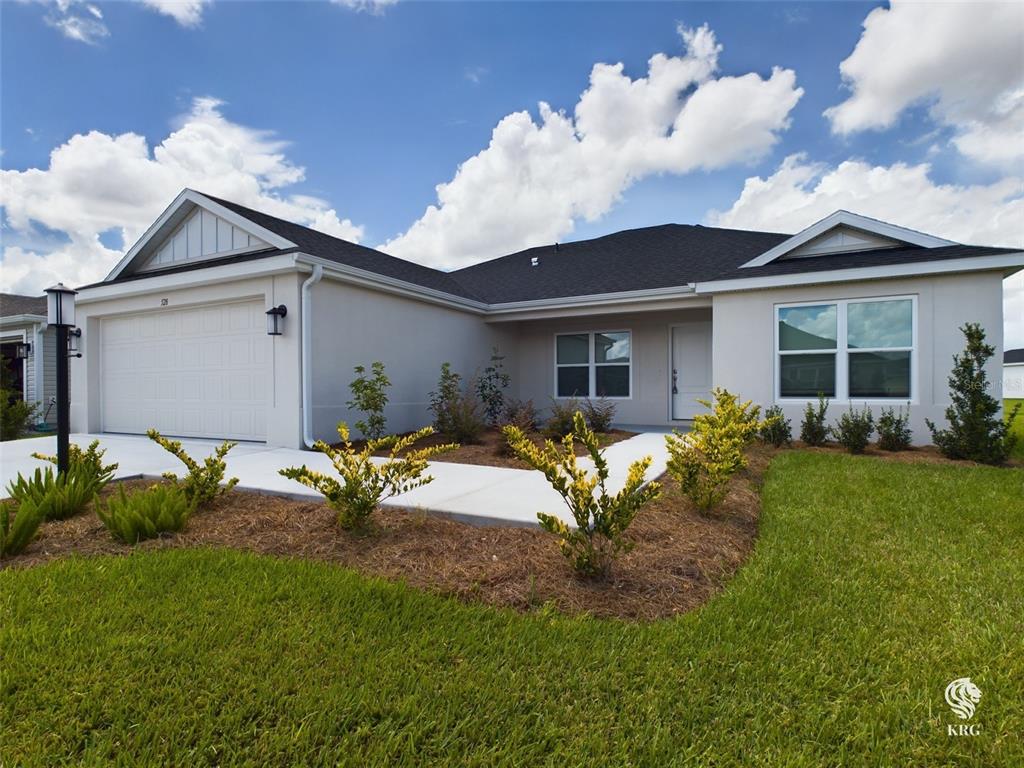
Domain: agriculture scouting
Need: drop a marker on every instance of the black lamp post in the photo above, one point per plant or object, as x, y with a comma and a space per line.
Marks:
60, 313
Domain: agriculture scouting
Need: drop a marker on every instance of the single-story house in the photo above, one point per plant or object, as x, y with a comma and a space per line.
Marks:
26, 347
1013, 373
176, 336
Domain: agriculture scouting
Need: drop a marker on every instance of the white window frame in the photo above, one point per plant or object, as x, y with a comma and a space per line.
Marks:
592, 365
842, 352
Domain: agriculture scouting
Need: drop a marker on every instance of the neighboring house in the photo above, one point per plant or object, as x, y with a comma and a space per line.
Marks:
1013, 373
23, 322
866, 312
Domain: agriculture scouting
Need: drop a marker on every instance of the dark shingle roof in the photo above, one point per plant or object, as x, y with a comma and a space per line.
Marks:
15, 304
1013, 356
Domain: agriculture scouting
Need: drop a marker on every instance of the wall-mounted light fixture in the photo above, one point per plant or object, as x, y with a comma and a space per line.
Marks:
22, 350
275, 320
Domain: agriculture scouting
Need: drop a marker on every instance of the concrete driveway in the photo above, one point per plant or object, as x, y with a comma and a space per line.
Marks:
480, 495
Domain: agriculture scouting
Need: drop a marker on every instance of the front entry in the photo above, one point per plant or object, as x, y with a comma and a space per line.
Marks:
691, 368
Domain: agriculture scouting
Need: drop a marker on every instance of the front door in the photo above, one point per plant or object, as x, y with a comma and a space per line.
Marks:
691, 368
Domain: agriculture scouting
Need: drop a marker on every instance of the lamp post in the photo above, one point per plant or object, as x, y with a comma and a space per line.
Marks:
60, 313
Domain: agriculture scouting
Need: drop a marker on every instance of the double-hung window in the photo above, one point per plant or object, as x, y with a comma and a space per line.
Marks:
859, 349
593, 364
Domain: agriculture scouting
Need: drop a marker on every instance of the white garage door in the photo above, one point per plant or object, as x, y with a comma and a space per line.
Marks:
198, 372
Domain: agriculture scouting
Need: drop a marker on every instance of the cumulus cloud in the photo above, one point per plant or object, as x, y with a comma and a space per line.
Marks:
188, 13
800, 193
961, 59
97, 183
535, 179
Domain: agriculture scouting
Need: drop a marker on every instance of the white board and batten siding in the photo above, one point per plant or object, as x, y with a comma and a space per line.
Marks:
1013, 381
202, 235
202, 371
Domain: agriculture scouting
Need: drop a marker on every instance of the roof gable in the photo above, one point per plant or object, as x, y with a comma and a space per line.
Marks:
845, 232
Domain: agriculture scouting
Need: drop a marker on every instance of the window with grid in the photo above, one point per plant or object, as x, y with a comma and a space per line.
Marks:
593, 364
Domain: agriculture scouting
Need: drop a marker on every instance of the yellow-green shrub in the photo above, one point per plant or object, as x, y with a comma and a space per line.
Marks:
87, 466
202, 484
364, 483
601, 518
145, 514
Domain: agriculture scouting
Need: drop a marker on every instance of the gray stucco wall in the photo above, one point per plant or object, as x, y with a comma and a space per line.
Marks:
744, 342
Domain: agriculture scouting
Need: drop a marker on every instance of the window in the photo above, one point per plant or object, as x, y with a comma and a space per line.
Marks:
593, 364
847, 350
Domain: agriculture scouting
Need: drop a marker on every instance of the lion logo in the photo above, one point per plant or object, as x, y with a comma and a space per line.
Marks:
962, 695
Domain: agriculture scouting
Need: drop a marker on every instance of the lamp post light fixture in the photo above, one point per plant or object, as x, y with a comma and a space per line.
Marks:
275, 320
60, 313
22, 350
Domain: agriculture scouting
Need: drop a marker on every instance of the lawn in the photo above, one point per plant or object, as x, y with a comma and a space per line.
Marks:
1018, 426
873, 584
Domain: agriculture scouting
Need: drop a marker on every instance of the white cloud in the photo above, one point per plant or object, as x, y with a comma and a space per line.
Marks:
799, 193
77, 20
962, 59
535, 179
188, 13
369, 6
97, 182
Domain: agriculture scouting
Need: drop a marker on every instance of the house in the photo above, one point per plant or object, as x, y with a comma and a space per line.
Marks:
176, 336
26, 345
1013, 374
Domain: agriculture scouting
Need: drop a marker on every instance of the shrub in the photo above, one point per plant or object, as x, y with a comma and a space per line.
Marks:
562, 419
60, 496
853, 429
465, 421
813, 430
368, 396
19, 522
975, 430
365, 484
522, 414
87, 465
776, 429
449, 388
599, 414
703, 461
490, 388
147, 513
894, 430
16, 416
601, 519
202, 484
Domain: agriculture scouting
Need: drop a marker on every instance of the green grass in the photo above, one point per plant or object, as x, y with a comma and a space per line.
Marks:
874, 584
1018, 425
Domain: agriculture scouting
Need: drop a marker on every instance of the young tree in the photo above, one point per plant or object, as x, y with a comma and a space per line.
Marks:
368, 396
975, 430
491, 386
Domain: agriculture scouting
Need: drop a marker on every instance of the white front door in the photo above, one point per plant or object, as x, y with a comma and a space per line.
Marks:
691, 368
203, 371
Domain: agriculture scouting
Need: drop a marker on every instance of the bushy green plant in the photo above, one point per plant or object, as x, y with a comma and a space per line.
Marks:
16, 415
853, 430
599, 414
894, 430
561, 418
449, 388
364, 484
704, 460
60, 496
491, 386
776, 429
87, 465
202, 484
145, 514
813, 429
457, 414
19, 522
601, 518
975, 430
370, 397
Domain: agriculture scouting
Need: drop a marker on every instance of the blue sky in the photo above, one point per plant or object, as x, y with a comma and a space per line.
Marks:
367, 108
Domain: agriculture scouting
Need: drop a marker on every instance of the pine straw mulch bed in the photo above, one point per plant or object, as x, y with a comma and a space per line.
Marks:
681, 558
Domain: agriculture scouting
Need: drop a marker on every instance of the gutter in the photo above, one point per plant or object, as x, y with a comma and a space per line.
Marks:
306, 353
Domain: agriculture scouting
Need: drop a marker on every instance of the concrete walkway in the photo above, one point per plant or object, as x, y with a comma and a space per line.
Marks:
481, 495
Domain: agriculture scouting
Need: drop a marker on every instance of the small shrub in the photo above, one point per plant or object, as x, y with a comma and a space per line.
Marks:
465, 420
60, 496
369, 396
365, 484
147, 513
599, 414
894, 430
975, 430
853, 429
813, 429
776, 429
19, 522
601, 519
703, 461
202, 484
16, 415
491, 386
87, 465
449, 388
522, 414
562, 418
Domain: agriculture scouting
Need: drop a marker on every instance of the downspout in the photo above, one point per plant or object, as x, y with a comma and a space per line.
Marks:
306, 353
37, 374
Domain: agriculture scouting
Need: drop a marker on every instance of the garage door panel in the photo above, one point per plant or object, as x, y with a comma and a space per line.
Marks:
198, 372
